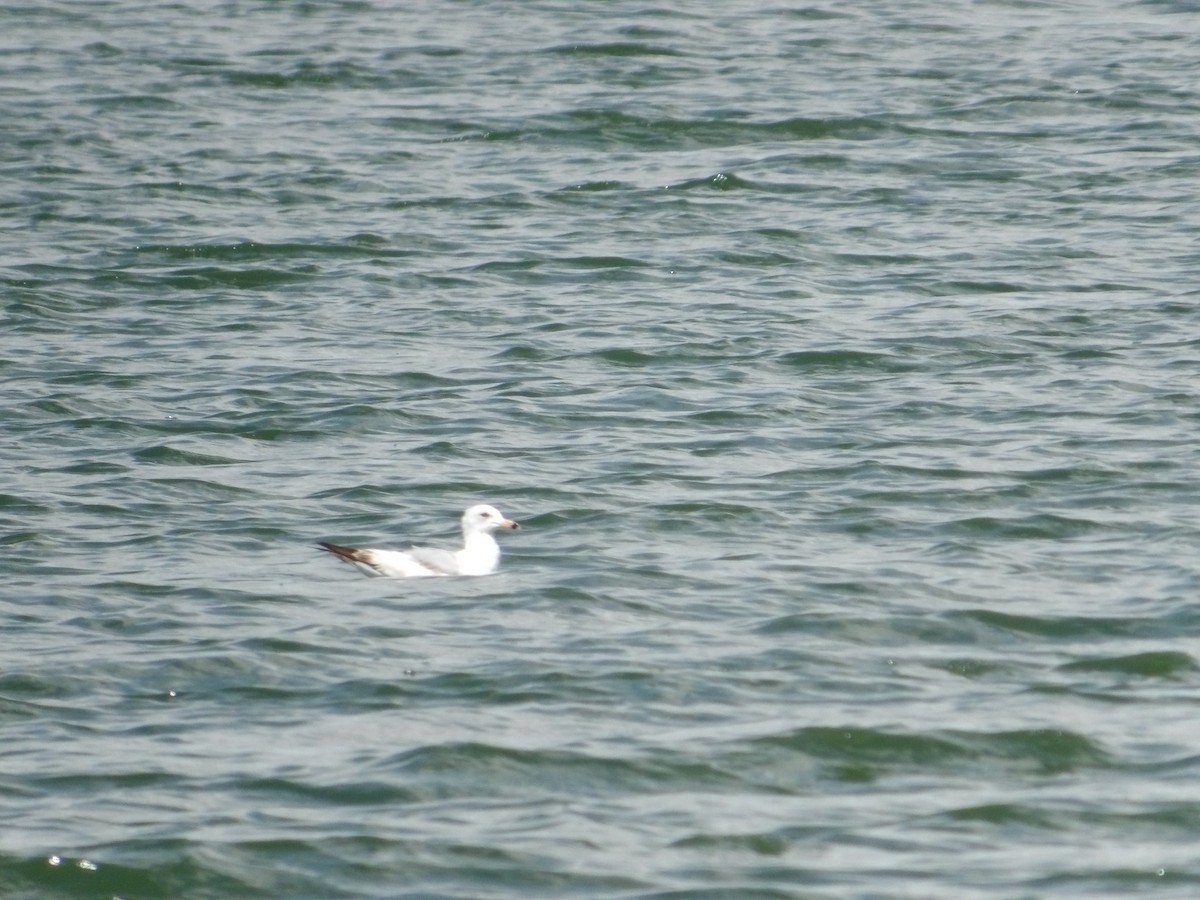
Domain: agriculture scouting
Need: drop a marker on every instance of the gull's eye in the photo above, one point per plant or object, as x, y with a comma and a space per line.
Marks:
485, 515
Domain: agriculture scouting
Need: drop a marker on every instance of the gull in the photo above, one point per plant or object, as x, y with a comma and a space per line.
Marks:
479, 556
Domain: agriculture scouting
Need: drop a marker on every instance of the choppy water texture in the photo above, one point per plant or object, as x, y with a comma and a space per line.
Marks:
840, 360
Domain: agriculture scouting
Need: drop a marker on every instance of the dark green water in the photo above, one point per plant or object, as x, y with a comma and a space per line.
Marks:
840, 361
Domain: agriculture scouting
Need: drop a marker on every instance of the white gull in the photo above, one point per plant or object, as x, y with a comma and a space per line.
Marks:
479, 556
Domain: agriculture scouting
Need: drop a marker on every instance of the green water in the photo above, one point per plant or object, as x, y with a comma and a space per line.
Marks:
839, 361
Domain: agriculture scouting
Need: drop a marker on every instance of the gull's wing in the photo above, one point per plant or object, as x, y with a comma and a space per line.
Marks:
439, 562
392, 563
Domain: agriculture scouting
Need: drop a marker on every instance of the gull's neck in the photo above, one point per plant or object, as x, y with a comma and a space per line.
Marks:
480, 553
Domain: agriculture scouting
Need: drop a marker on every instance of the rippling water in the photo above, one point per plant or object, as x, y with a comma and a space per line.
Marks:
839, 360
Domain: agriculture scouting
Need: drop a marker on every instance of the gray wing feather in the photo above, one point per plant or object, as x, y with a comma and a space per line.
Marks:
443, 561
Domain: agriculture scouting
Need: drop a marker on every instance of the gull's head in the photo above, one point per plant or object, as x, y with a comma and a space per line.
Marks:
485, 519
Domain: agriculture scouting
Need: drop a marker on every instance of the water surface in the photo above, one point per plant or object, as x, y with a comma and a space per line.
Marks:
840, 364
